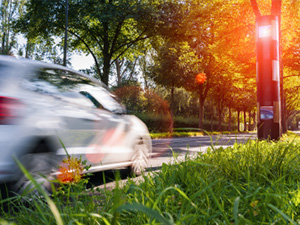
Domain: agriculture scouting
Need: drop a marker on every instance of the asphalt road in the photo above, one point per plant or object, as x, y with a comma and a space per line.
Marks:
163, 149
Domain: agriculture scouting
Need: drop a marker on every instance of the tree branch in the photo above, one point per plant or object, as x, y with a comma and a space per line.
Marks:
294, 75
276, 8
95, 36
255, 8
129, 44
89, 49
132, 71
117, 33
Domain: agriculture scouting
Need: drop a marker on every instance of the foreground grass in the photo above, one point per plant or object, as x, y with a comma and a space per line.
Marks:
254, 183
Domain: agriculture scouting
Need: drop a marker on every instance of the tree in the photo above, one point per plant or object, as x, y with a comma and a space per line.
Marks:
9, 10
106, 29
168, 70
125, 69
42, 50
193, 24
290, 57
222, 94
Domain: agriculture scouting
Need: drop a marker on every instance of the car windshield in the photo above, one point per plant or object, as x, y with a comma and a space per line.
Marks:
59, 81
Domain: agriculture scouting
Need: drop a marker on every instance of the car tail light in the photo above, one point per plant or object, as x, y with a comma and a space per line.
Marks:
8, 109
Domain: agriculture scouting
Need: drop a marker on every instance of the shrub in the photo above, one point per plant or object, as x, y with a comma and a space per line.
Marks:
162, 122
155, 122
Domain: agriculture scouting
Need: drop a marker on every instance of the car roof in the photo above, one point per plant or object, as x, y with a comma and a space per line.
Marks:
23, 62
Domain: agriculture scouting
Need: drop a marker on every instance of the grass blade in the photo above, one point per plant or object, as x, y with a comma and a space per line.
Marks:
150, 212
51, 204
176, 189
282, 214
236, 210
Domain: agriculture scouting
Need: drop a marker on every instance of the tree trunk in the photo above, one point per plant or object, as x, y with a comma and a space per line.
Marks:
276, 7
220, 117
245, 120
254, 119
133, 69
27, 51
238, 120
211, 117
118, 69
172, 109
106, 69
211, 120
201, 107
283, 115
3, 44
249, 121
229, 119
255, 8
106, 54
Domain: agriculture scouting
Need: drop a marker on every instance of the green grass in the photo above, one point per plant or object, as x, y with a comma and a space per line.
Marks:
175, 134
253, 183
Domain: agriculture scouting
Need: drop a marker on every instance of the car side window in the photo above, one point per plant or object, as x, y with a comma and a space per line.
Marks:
93, 100
60, 80
60, 84
102, 99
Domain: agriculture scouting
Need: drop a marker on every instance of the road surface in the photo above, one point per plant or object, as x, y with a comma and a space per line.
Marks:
163, 149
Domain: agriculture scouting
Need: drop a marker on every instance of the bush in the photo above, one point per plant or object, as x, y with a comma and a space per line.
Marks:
162, 122
155, 122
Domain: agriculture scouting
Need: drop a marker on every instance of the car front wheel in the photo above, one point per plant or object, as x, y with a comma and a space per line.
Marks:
140, 157
40, 166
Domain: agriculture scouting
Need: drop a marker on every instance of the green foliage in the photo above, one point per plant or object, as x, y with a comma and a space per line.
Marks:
9, 11
105, 29
156, 122
181, 122
199, 43
139, 101
170, 70
161, 123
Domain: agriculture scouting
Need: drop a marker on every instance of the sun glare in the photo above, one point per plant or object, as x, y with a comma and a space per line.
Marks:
265, 31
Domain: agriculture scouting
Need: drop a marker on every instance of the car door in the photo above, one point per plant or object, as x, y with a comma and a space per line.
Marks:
111, 141
73, 111
93, 127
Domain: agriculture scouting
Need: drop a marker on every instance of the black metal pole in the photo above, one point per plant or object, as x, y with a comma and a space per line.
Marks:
268, 78
66, 34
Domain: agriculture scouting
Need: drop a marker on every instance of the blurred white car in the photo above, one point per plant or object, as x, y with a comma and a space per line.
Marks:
41, 104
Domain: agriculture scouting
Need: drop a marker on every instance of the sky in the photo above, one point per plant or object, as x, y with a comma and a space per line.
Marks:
81, 61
